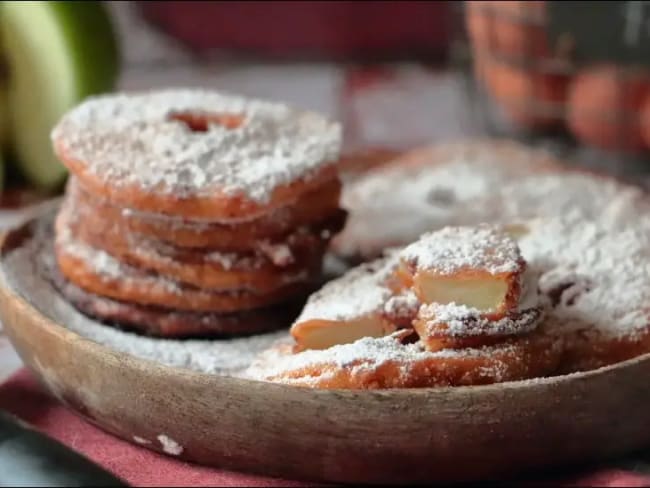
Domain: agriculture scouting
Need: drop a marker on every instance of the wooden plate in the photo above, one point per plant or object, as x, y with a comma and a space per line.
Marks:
391, 436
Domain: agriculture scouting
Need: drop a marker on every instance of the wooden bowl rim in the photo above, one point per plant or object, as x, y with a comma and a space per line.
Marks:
25, 309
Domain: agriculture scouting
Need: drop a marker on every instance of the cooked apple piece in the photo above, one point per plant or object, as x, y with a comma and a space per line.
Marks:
492, 294
347, 309
476, 267
323, 334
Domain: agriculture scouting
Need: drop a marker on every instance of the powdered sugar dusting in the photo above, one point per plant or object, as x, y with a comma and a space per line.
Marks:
279, 253
365, 354
100, 261
601, 275
131, 139
169, 445
361, 291
460, 320
452, 249
427, 190
401, 307
587, 274
472, 183
588, 246
225, 260
104, 264
24, 270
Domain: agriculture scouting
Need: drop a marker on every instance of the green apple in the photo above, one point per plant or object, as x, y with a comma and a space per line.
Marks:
4, 114
4, 110
2, 172
56, 54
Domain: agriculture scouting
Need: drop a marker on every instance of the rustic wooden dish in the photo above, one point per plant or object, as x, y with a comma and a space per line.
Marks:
392, 436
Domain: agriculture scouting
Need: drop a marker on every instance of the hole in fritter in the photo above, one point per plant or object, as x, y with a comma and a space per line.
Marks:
201, 121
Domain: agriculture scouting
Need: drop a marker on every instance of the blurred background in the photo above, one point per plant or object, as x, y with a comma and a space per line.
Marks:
569, 76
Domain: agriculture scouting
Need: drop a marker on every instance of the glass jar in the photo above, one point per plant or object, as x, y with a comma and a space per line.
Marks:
572, 73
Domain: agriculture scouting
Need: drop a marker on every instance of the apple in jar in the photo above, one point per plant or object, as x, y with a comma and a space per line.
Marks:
604, 107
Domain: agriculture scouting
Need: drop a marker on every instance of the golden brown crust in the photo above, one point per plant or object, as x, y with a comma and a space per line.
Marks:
213, 270
217, 206
317, 206
134, 286
437, 336
160, 322
533, 356
255, 273
97, 272
587, 349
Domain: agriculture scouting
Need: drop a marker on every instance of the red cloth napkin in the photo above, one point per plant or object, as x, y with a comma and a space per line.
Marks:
22, 396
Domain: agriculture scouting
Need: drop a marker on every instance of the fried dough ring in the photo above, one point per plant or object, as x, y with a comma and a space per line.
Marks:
219, 206
196, 154
424, 190
313, 207
253, 273
299, 258
97, 272
588, 349
478, 332
532, 356
159, 322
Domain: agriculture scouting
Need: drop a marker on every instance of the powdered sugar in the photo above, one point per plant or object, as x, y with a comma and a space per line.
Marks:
456, 184
130, 139
23, 271
279, 253
586, 196
104, 264
364, 355
226, 260
453, 249
403, 306
602, 275
427, 190
169, 445
590, 276
101, 262
360, 292
460, 320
